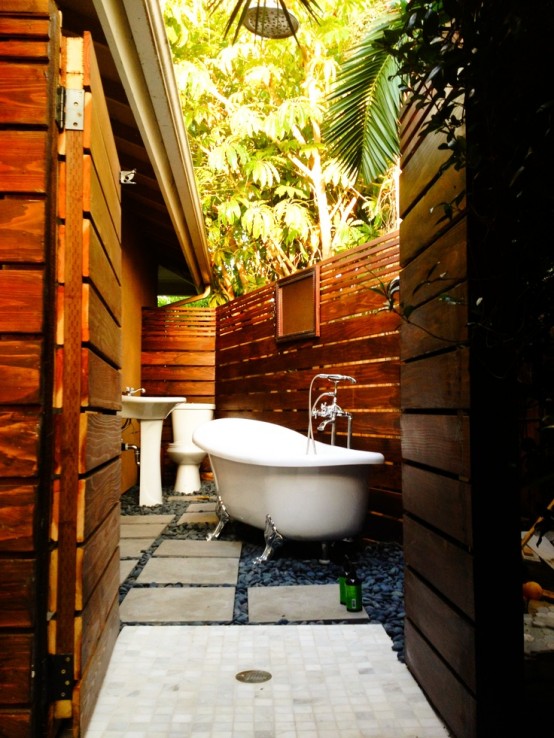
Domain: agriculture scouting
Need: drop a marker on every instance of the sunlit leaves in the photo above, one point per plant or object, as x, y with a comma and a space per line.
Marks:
273, 200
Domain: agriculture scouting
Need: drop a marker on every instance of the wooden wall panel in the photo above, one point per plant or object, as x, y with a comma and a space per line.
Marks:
99, 441
449, 696
23, 161
87, 690
101, 386
17, 513
21, 301
94, 555
23, 94
259, 378
17, 593
178, 352
28, 36
96, 616
19, 439
439, 501
20, 371
16, 724
452, 634
22, 237
16, 667
102, 493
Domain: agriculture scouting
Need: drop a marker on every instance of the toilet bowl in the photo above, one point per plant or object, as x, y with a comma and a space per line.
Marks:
185, 418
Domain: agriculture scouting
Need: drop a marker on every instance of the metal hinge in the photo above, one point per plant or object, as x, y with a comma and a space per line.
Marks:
70, 109
60, 682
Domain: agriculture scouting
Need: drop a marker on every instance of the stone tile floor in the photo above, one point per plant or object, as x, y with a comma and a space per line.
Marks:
173, 675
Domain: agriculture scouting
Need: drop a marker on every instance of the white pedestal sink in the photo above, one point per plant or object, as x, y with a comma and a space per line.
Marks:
151, 412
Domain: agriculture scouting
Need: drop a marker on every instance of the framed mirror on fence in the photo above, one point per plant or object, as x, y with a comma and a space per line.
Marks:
297, 306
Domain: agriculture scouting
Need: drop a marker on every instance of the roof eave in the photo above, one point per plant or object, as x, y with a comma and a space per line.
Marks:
136, 36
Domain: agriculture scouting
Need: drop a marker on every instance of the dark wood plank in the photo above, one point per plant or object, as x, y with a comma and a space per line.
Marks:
16, 668
100, 270
23, 161
423, 548
437, 382
20, 372
100, 440
16, 724
19, 436
87, 690
93, 619
452, 635
21, 301
455, 704
23, 94
439, 441
17, 513
102, 494
22, 230
94, 555
101, 383
100, 330
439, 501
18, 593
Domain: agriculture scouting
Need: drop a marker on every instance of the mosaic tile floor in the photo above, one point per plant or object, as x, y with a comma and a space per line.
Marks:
173, 675
326, 681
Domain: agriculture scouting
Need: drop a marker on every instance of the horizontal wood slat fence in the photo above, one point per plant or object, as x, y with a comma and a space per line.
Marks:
257, 377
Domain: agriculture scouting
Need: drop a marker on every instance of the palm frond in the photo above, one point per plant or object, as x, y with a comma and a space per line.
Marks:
361, 126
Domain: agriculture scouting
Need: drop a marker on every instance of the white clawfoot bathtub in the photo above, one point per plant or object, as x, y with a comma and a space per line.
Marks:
272, 478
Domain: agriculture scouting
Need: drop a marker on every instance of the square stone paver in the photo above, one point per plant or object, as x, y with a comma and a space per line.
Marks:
138, 530
165, 570
197, 507
145, 519
133, 548
178, 605
125, 568
298, 603
195, 518
207, 549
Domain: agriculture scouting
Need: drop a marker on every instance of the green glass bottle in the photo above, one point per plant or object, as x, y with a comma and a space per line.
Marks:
353, 591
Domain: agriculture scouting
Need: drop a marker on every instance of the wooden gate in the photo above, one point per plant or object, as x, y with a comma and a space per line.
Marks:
84, 531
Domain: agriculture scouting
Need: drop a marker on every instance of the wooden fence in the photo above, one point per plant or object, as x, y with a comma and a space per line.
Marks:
230, 356
258, 377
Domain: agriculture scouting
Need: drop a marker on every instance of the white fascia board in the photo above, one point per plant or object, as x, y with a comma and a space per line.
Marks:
136, 36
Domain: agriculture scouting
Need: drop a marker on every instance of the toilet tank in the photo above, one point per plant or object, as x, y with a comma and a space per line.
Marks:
186, 417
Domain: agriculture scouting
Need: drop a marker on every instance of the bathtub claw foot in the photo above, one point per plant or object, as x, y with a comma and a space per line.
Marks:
224, 517
273, 539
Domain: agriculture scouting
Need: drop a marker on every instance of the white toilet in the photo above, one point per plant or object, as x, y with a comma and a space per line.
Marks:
185, 418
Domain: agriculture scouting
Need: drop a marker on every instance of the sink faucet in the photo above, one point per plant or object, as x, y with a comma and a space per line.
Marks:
133, 391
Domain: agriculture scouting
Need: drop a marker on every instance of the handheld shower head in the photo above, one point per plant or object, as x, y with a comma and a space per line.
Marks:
338, 378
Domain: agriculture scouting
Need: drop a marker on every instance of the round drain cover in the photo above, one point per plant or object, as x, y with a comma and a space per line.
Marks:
253, 676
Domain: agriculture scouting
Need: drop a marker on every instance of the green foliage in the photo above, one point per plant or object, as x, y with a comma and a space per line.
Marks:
273, 197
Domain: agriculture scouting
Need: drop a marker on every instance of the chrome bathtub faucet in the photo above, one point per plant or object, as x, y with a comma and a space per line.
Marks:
329, 412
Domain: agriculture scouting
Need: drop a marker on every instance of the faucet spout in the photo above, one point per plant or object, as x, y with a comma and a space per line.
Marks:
132, 391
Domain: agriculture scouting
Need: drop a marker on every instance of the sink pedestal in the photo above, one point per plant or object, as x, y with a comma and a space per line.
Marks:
150, 470
151, 412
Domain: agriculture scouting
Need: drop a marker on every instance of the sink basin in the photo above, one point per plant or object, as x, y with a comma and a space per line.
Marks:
151, 411
141, 407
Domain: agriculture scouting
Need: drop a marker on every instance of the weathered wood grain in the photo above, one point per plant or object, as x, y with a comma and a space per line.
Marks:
102, 494
23, 94
21, 304
19, 438
17, 513
22, 231
18, 605
23, 161
16, 668
20, 372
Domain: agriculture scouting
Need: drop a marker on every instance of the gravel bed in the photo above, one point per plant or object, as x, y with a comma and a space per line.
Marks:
378, 565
